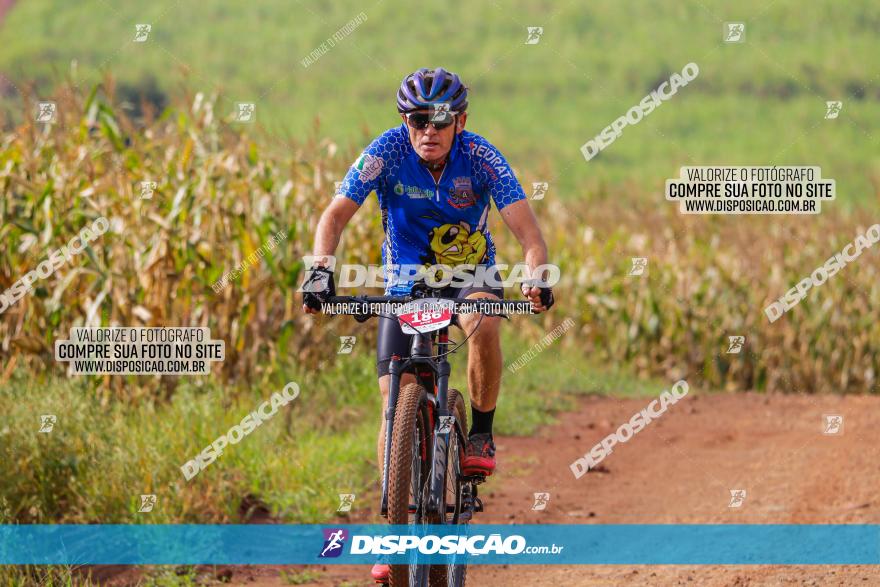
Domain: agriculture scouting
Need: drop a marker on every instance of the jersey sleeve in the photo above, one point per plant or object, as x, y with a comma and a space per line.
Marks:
368, 172
494, 172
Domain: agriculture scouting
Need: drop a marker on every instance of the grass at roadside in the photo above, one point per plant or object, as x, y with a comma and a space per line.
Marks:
100, 457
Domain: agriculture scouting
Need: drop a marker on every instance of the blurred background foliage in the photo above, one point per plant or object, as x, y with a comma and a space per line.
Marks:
162, 111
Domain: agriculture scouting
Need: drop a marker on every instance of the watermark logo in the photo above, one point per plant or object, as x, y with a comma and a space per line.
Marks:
832, 109
539, 346
437, 276
541, 501
249, 261
346, 345
440, 111
823, 273
750, 190
334, 539
432, 544
346, 500
47, 422
148, 502
46, 112
539, 189
141, 32
737, 498
639, 265
147, 189
734, 32
629, 429
533, 36
634, 115
735, 344
446, 424
55, 260
245, 112
331, 41
234, 435
832, 424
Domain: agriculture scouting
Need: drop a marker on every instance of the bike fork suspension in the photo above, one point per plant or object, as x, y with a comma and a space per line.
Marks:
393, 392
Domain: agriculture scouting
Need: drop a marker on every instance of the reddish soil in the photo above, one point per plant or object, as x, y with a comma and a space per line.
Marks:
677, 470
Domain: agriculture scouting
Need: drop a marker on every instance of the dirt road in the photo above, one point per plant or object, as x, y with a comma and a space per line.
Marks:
680, 469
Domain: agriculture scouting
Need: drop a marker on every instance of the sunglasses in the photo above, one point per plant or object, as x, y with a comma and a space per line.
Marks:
439, 120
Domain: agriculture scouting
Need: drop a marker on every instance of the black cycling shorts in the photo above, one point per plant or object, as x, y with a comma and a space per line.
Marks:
393, 341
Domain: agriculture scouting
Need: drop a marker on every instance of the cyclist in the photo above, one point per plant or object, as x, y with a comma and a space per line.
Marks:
435, 182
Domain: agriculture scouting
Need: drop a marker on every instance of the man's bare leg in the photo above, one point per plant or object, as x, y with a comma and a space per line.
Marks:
484, 356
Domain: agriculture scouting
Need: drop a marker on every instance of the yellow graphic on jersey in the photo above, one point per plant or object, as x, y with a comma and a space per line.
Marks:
455, 244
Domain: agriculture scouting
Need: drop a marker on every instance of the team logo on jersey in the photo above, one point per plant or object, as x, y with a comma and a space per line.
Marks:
461, 195
412, 192
456, 244
369, 167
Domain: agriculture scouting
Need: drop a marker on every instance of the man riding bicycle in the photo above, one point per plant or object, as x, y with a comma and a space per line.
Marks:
435, 182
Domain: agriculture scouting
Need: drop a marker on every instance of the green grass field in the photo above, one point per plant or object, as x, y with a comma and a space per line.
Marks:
759, 102
101, 456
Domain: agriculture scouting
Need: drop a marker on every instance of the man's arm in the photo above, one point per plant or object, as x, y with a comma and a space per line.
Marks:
329, 230
331, 224
522, 223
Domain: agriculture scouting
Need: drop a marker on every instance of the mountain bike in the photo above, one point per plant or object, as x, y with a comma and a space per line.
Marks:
426, 423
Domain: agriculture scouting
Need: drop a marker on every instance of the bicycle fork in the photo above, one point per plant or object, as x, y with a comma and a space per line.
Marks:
444, 425
394, 369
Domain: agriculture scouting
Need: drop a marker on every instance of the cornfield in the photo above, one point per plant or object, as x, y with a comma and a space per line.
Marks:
220, 191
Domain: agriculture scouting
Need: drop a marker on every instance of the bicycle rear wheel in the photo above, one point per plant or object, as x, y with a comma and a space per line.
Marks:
408, 474
453, 575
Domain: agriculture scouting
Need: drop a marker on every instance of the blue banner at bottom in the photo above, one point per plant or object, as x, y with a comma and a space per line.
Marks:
725, 544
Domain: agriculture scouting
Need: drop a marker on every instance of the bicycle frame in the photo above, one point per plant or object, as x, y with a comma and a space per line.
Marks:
433, 374
431, 370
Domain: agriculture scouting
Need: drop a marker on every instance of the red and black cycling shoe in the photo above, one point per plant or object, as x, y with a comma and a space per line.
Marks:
479, 455
380, 573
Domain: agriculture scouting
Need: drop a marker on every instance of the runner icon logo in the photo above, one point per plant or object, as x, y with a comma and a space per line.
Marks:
346, 345
333, 542
539, 189
736, 344
832, 109
345, 502
735, 32
833, 424
446, 423
639, 264
737, 498
534, 35
47, 422
541, 501
147, 503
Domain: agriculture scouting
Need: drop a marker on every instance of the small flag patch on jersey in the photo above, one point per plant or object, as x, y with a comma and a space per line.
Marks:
369, 167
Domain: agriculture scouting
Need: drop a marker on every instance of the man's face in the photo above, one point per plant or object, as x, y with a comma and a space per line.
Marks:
432, 144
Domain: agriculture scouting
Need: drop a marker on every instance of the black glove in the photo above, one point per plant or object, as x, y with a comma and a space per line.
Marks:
547, 296
318, 287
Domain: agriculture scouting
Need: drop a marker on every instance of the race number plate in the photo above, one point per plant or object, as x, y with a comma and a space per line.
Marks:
425, 315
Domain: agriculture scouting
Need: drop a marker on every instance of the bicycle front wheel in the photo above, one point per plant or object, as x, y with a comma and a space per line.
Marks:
408, 474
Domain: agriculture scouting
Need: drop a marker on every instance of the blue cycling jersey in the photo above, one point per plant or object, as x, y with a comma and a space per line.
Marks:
429, 222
